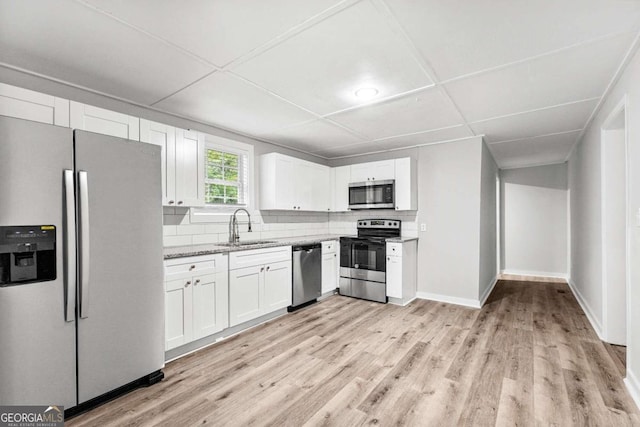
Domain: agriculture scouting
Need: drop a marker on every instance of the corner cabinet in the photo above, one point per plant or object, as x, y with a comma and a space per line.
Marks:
29, 105
106, 122
182, 162
406, 176
402, 271
288, 183
259, 283
196, 298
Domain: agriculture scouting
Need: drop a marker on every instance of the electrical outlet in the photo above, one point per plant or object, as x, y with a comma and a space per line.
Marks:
423, 227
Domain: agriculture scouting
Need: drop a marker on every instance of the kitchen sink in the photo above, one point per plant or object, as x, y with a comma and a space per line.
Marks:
246, 243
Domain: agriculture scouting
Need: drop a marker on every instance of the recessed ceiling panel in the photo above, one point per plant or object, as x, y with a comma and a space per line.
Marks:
68, 41
458, 37
399, 142
572, 75
314, 136
217, 30
534, 151
541, 122
322, 67
425, 110
227, 101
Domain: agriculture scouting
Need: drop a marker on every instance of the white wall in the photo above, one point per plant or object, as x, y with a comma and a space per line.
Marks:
488, 223
586, 199
534, 221
449, 205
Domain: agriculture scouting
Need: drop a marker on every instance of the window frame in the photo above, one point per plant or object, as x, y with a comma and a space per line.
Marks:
220, 212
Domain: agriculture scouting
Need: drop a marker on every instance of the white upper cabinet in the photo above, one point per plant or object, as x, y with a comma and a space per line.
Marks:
340, 178
406, 197
287, 183
373, 171
107, 122
189, 168
164, 136
29, 105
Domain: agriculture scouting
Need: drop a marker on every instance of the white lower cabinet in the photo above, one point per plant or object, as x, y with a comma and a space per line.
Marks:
402, 271
330, 266
196, 298
259, 283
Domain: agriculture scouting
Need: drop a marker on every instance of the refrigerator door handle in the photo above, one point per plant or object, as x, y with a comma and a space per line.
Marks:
70, 246
83, 190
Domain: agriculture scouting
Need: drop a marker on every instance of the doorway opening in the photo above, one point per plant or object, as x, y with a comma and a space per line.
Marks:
615, 226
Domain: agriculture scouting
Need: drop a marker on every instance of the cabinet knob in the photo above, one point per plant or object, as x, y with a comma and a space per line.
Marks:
187, 284
388, 258
192, 267
373, 179
335, 255
197, 281
262, 269
268, 268
171, 202
179, 202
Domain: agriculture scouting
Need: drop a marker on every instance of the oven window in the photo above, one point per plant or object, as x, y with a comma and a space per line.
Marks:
369, 256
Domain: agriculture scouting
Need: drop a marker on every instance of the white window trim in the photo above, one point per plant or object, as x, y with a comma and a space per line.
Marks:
221, 213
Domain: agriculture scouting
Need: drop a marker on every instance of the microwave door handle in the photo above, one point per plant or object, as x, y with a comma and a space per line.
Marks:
70, 246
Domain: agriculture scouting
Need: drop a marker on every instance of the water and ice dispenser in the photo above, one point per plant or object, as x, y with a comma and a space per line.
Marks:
27, 254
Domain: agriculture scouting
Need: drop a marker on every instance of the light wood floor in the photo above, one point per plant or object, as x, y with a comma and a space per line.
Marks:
529, 357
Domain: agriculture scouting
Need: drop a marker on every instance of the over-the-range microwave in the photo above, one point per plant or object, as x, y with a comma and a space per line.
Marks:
372, 195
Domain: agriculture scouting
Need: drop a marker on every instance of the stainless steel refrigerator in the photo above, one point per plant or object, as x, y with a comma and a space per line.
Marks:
81, 287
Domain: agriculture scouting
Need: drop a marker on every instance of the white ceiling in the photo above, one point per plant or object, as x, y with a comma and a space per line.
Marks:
526, 74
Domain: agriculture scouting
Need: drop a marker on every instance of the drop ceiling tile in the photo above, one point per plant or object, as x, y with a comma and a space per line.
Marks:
533, 151
68, 41
575, 74
399, 142
425, 110
459, 37
312, 136
541, 122
220, 30
224, 100
321, 67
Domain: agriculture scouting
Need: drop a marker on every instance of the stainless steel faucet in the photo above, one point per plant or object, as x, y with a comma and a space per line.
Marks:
234, 235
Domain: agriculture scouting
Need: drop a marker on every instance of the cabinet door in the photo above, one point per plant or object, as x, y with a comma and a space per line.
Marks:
106, 122
210, 296
329, 272
189, 168
286, 185
178, 313
394, 276
406, 194
245, 294
29, 105
340, 188
385, 169
277, 286
321, 189
360, 172
164, 136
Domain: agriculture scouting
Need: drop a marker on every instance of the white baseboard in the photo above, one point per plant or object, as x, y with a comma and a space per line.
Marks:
483, 297
587, 310
467, 302
551, 275
633, 386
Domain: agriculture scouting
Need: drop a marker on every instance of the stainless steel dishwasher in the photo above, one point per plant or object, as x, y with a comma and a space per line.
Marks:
307, 274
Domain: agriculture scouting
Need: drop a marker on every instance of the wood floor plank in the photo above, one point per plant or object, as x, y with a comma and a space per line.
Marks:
528, 357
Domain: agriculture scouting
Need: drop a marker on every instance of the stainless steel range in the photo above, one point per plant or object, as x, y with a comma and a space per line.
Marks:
363, 259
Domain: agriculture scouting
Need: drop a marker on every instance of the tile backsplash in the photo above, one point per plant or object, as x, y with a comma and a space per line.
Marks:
179, 230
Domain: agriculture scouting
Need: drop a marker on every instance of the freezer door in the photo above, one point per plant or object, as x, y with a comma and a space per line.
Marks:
121, 291
37, 343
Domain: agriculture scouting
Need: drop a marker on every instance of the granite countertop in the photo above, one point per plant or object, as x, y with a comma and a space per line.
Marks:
195, 250
213, 248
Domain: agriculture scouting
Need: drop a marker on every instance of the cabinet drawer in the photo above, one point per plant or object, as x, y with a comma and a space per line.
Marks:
255, 257
329, 247
394, 249
195, 265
